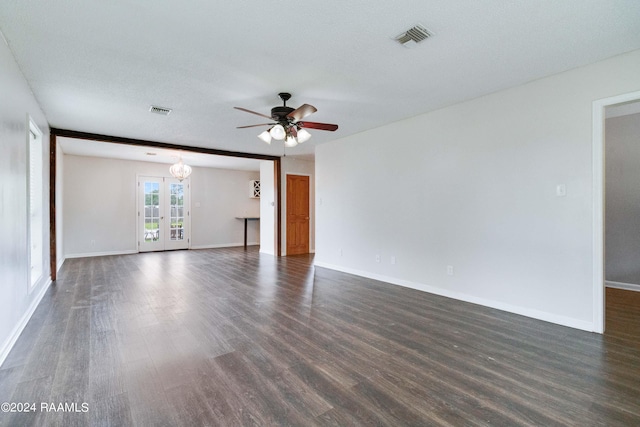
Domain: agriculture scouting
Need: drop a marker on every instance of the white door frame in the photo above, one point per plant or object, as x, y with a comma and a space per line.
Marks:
599, 204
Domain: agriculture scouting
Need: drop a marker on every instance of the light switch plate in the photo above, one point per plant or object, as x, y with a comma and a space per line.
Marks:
561, 190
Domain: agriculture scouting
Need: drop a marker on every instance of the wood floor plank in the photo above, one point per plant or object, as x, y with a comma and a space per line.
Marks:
71, 381
34, 391
148, 402
190, 407
232, 337
348, 408
106, 376
267, 403
111, 411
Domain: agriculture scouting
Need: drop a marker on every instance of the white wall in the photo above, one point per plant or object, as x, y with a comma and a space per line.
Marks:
17, 301
267, 208
474, 186
100, 205
623, 199
223, 195
291, 166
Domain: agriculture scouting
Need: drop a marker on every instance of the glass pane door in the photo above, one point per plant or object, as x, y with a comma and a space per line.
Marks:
176, 213
163, 214
151, 211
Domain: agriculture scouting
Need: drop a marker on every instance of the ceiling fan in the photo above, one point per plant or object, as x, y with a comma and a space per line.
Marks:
288, 124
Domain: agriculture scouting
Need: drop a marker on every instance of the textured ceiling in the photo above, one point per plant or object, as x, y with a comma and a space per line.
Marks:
81, 147
97, 66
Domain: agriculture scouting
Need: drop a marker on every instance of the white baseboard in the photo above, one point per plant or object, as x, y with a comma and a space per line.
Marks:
621, 285
59, 265
523, 311
15, 334
266, 252
92, 254
224, 245
129, 252
311, 251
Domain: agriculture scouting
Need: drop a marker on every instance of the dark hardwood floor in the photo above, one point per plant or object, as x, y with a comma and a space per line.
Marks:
228, 337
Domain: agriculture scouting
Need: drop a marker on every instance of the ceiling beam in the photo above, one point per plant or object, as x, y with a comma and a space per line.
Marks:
141, 142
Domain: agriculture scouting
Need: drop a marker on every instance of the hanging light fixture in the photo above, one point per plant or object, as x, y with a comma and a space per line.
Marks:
290, 141
180, 170
278, 132
289, 134
303, 136
265, 136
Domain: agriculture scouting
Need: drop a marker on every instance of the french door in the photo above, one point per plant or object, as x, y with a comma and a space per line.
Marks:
163, 214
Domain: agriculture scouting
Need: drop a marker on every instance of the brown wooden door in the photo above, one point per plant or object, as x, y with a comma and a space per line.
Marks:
297, 214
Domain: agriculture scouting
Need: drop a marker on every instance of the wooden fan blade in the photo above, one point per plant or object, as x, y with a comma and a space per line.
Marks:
254, 126
314, 125
253, 112
301, 112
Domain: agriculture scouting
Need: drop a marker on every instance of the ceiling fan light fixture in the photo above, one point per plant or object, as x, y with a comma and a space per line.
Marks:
265, 136
303, 136
290, 141
278, 132
286, 123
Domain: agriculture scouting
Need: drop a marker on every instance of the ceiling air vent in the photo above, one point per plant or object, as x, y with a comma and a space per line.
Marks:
160, 110
413, 35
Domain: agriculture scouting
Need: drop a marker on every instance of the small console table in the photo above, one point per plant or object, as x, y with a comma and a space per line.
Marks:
246, 220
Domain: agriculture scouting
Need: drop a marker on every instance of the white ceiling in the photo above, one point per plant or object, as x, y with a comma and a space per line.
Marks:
98, 66
81, 147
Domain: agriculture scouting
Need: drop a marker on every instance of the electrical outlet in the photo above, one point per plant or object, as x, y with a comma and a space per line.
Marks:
377, 258
93, 242
393, 260
449, 270
340, 251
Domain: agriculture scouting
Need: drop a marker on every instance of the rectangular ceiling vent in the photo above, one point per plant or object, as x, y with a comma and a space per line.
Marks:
160, 110
413, 35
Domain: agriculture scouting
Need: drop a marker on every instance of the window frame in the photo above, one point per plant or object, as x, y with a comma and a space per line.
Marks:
35, 204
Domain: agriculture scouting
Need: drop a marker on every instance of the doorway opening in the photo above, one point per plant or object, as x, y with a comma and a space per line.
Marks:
599, 180
163, 214
116, 145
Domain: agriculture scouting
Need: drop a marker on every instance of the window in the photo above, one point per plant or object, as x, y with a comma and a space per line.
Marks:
36, 215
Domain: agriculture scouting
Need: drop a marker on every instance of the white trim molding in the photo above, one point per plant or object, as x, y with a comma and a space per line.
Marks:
224, 245
93, 254
621, 285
